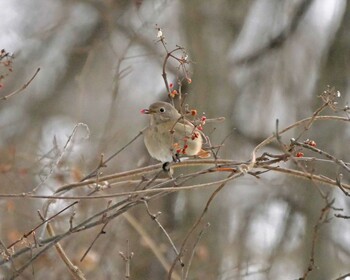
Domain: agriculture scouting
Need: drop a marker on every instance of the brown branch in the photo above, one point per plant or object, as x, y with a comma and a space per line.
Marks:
42, 223
340, 185
154, 247
22, 88
242, 168
127, 259
158, 188
200, 235
101, 232
130, 193
164, 74
61, 154
155, 218
305, 175
321, 152
5, 252
73, 269
143, 171
321, 220
196, 224
296, 124
104, 162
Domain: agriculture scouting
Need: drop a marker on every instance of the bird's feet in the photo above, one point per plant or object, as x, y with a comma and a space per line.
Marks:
167, 168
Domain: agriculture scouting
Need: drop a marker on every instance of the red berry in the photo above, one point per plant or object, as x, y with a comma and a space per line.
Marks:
312, 143
173, 93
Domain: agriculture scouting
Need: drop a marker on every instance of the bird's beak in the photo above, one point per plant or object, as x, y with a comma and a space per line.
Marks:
147, 111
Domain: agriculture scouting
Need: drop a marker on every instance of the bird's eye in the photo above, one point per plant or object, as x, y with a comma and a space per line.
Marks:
162, 110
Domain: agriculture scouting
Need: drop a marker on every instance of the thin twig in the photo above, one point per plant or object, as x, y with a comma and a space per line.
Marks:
22, 88
42, 223
60, 156
5, 252
321, 220
200, 235
196, 224
102, 231
321, 152
73, 269
131, 193
154, 246
155, 218
127, 259
103, 164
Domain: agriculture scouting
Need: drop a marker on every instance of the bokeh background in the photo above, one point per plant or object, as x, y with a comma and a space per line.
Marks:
252, 62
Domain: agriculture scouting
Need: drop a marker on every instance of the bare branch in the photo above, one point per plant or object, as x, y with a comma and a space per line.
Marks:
22, 88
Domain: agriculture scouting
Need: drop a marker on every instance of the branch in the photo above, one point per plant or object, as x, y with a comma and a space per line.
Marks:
73, 269
22, 88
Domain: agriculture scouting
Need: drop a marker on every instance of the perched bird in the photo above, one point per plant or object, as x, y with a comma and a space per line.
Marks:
169, 136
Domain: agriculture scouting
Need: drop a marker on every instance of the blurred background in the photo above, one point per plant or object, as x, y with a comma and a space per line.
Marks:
252, 62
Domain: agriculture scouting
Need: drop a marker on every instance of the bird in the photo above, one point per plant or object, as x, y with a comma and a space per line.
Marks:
170, 136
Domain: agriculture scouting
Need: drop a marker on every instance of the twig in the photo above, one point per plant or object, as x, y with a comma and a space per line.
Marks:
42, 223
313, 118
342, 216
305, 175
155, 218
7, 254
150, 243
196, 224
127, 258
22, 88
340, 185
59, 158
321, 220
164, 74
131, 193
296, 124
102, 231
143, 171
73, 269
103, 164
321, 152
300, 174
200, 235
